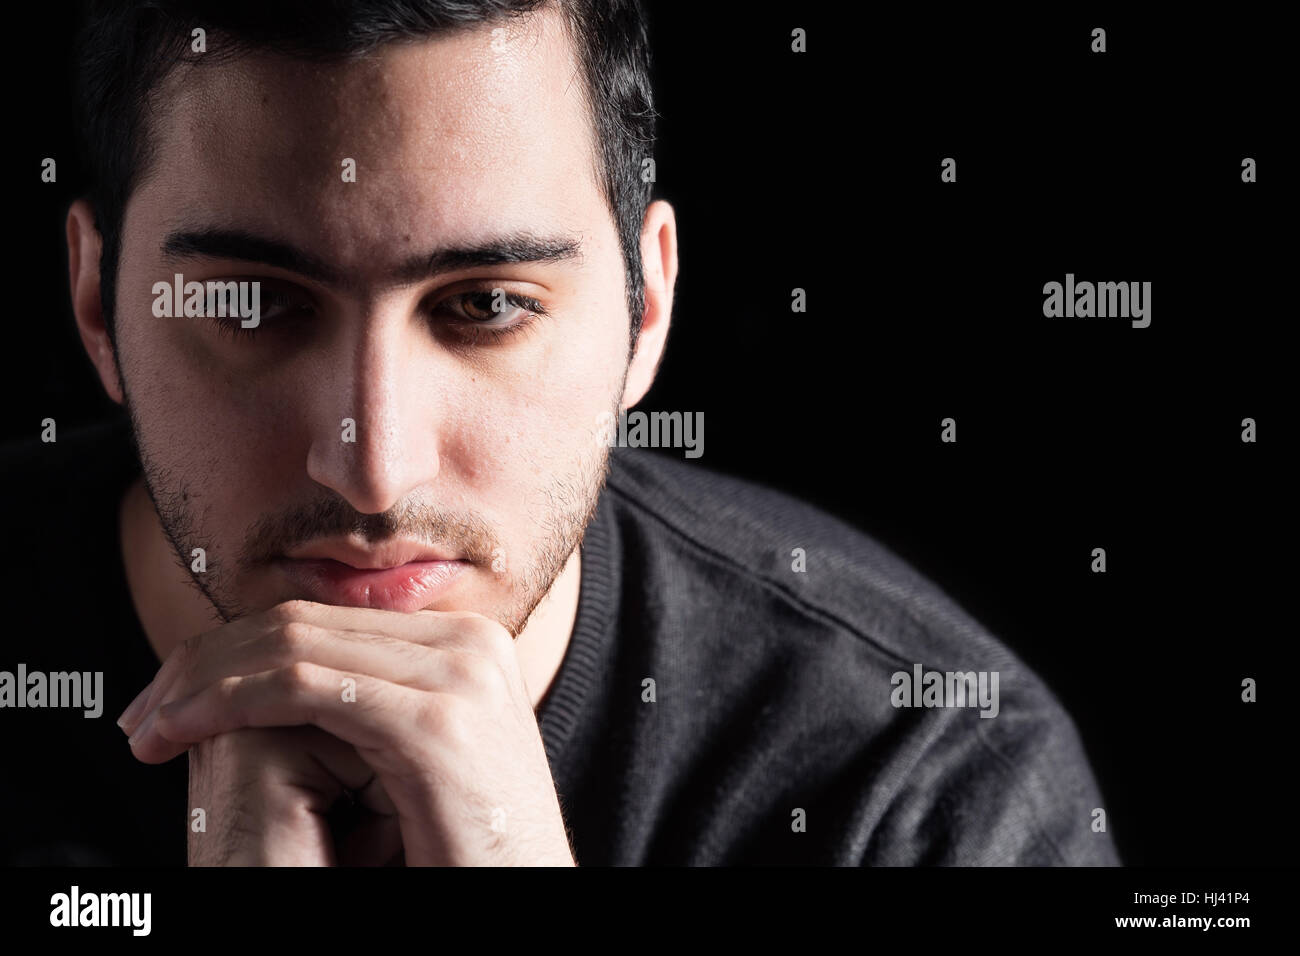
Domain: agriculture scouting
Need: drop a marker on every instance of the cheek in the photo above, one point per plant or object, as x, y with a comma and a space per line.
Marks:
210, 488
199, 435
196, 418
525, 433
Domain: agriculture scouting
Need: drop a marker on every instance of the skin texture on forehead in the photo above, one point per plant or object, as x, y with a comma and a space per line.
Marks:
456, 138
475, 125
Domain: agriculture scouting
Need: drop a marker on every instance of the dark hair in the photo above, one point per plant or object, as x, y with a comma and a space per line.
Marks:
126, 49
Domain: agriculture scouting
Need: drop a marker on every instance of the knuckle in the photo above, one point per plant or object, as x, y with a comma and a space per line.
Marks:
292, 639
491, 637
225, 688
476, 676
443, 716
287, 611
465, 671
297, 677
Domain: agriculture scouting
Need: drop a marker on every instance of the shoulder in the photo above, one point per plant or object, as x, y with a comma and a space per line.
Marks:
817, 564
776, 594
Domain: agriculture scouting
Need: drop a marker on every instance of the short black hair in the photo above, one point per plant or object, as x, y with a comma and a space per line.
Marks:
126, 48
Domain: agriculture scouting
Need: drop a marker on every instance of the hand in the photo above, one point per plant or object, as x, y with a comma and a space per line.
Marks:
433, 702
267, 796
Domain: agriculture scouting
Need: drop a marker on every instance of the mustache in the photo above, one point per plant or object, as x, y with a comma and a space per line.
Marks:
330, 517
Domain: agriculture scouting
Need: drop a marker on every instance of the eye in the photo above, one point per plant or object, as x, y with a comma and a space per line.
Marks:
276, 303
279, 303
491, 309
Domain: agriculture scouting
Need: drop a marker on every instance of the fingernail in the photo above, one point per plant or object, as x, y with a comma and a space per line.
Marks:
144, 728
132, 712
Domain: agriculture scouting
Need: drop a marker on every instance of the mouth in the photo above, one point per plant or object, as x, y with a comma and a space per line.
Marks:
400, 577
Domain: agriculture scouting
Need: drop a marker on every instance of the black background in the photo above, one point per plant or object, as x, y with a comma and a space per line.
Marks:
821, 171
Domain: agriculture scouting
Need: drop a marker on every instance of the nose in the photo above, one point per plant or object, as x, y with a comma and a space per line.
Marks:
375, 439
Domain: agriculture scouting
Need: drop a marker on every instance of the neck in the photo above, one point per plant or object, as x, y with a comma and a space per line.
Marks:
171, 609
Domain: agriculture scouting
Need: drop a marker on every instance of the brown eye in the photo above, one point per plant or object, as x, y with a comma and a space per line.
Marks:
491, 308
484, 306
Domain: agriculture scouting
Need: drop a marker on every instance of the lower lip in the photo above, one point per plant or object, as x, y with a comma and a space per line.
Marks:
408, 587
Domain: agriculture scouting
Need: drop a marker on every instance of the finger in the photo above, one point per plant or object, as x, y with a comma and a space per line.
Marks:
375, 655
467, 629
380, 643
177, 661
205, 660
342, 764
291, 696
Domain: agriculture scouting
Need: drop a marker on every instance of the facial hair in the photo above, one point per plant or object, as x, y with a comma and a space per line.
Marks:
568, 503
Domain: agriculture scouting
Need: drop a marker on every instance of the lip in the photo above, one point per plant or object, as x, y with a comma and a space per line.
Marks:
406, 587
389, 554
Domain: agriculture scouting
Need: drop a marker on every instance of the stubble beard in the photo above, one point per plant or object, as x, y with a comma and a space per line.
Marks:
571, 503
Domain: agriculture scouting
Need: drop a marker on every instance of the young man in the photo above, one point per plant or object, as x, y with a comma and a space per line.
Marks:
385, 581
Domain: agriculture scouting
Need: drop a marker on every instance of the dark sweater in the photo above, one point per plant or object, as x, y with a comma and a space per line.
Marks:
771, 737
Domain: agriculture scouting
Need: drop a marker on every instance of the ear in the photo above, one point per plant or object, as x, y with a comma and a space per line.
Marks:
659, 265
84, 248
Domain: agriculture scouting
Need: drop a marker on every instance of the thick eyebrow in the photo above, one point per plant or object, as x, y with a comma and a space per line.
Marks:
514, 248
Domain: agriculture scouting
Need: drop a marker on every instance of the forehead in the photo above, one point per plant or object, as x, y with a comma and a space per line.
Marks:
484, 127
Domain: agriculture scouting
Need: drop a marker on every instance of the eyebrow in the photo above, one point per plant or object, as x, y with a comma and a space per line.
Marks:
512, 248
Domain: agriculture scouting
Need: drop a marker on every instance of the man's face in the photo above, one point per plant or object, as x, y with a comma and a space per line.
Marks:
473, 428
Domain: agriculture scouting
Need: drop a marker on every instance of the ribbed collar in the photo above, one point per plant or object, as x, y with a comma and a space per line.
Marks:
598, 596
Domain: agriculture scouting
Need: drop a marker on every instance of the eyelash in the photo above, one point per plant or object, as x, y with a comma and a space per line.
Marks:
473, 334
